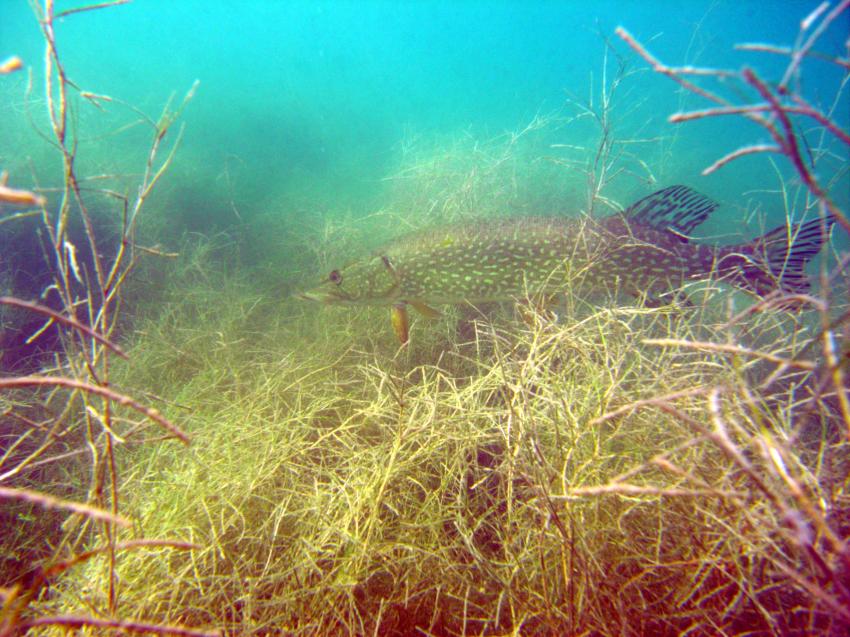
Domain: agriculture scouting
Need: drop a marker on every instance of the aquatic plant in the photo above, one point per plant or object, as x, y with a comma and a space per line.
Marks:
782, 111
593, 475
61, 427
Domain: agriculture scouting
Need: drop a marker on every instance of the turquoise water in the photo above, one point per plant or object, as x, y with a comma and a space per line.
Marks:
306, 108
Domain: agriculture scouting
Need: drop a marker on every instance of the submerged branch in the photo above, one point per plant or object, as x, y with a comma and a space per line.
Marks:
91, 7
730, 349
121, 399
49, 502
71, 621
64, 320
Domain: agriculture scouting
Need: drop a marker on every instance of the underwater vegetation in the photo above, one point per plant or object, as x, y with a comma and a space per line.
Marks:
645, 451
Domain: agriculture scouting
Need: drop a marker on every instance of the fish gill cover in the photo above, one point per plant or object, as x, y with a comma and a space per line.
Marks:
607, 456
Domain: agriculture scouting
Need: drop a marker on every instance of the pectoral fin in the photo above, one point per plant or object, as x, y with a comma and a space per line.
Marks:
425, 310
401, 323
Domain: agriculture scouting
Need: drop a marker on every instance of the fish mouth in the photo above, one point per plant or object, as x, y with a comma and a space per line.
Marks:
317, 296
311, 296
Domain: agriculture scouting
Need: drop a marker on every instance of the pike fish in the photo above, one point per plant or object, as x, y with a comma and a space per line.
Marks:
644, 250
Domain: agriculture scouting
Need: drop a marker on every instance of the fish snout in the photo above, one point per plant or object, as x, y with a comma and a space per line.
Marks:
309, 296
318, 296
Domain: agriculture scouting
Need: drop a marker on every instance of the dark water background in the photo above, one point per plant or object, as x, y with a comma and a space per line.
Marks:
305, 108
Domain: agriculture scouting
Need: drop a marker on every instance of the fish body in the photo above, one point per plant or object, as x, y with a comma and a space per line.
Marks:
509, 259
644, 249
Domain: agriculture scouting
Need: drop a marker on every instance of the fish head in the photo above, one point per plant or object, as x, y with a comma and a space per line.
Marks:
371, 281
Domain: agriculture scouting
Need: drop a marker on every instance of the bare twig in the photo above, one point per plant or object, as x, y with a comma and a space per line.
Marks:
87, 346
676, 73
731, 349
65, 320
71, 621
71, 383
91, 7
741, 152
648, 402
49, 502
631, 490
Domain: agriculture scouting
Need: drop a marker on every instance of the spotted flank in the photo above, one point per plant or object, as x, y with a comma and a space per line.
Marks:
644, 250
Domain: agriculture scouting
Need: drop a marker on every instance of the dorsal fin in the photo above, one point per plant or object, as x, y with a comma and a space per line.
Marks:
676, 208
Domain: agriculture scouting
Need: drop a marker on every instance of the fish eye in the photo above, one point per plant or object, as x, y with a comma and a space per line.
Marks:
335, 277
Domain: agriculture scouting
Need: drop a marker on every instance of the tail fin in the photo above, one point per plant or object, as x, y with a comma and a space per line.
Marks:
777, 260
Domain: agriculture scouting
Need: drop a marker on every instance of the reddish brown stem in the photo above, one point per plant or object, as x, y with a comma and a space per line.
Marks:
70, 383
49, 502
71, 621
64, 320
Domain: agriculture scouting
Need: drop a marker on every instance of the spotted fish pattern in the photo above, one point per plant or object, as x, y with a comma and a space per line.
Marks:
644, 249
